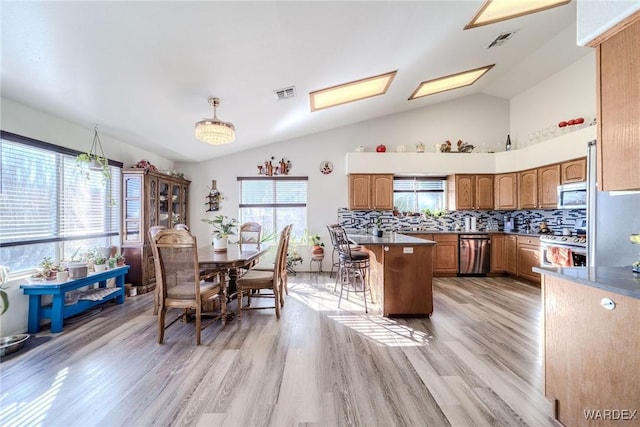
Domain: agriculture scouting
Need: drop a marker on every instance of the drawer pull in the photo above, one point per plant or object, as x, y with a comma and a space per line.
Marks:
607, 303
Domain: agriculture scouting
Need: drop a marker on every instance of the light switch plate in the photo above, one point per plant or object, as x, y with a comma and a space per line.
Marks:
407, 250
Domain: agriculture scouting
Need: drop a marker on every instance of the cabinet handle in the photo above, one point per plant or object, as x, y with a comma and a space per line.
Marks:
607, 303
386, 248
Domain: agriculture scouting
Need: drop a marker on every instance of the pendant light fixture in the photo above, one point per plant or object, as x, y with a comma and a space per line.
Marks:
214, 131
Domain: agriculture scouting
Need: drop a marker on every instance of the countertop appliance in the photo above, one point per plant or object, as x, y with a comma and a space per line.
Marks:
474, 255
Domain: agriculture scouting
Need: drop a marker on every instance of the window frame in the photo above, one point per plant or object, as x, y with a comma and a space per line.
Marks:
66, 155
415, 191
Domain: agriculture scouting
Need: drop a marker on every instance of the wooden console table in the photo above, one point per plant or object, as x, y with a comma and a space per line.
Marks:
58, 311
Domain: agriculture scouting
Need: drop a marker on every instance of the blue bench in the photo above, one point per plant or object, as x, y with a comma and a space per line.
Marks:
58, 311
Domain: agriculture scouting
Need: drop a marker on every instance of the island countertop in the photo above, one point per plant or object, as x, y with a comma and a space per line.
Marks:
388, 239
620, 280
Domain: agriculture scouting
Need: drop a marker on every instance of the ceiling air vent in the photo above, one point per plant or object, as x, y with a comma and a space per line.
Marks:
501, 39
286, 93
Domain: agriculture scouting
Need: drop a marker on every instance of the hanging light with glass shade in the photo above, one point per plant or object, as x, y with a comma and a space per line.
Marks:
214, 131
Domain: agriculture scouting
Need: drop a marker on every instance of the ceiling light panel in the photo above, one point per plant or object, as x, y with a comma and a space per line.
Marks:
493, 11
449, 82
352, 91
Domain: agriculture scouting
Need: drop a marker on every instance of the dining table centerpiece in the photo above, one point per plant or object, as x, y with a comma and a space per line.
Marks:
223, 227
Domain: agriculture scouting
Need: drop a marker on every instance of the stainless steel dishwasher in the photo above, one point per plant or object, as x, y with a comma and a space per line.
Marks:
475, 254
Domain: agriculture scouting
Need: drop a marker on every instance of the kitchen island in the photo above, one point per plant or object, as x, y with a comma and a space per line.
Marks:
591, 343
401, 273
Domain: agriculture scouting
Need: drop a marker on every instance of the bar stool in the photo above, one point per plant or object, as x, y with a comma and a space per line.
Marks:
353, 268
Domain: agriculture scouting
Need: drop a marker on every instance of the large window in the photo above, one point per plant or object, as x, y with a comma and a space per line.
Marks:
414, 194
274, 202
49, 207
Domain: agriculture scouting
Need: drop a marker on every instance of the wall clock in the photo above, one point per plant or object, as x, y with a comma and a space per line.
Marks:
326, 167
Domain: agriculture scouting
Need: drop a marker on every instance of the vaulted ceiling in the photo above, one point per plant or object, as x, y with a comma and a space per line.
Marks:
143, 71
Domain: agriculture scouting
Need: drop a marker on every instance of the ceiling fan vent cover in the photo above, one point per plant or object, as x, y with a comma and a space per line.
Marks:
285, 93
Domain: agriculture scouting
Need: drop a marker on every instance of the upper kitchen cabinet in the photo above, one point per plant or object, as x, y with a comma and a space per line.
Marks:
371, 191
618, 90
538, 188
573, 171
528, 189
548, 181
468, 192
506, 191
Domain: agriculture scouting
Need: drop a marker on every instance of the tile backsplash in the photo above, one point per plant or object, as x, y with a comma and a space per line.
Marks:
365, 220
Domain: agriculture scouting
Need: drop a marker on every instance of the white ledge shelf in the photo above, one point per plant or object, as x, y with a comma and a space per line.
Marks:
559, 149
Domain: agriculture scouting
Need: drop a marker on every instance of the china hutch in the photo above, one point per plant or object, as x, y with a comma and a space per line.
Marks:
150, 199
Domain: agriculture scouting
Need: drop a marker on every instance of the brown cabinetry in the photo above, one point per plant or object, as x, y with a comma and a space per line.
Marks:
468, 192
149, 199
590, 356
573, 171
506, 191
548, 181
511, 254
528, 257
445, 254
538, 188
498, 259
371, 191
618, 93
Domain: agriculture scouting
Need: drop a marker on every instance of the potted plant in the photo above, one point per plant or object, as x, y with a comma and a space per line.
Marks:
99, 263
223, 227
378, 229
317, 246
120, 259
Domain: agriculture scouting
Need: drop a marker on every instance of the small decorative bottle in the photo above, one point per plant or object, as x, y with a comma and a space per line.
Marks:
508, 143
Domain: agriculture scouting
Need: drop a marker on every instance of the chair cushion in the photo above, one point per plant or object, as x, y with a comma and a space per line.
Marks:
254, 278
355, 256
187, 290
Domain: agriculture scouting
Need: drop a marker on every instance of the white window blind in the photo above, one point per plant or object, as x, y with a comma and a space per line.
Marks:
46, 200
274, 202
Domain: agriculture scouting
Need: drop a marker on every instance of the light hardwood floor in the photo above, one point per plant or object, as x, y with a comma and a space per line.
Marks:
476, 361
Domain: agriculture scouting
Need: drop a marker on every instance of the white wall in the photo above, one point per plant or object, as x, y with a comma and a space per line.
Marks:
25, 121
568, 94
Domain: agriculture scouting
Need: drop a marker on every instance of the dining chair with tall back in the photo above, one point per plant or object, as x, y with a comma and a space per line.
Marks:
152, 233
250, 232
284, 275
178, 279
261, 279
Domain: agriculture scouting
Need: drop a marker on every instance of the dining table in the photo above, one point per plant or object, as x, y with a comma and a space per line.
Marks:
237, 255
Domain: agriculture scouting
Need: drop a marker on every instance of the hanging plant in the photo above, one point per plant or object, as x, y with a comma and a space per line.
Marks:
94, 160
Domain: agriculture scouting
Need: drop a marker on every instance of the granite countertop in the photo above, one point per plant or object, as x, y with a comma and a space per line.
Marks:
388, 239
519, 233
619, 280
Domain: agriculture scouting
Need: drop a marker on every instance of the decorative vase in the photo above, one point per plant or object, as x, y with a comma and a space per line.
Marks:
220, 244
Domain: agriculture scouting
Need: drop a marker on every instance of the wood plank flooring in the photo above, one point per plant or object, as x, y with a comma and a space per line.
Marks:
476, 361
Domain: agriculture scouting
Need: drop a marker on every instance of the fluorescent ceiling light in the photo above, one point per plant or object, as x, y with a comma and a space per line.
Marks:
352, 91
493, 11
449, 82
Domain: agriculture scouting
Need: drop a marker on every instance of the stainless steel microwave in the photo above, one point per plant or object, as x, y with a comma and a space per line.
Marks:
572, 196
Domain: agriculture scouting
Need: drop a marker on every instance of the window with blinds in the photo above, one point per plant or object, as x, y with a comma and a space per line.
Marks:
48, 207
414, 194
274, 202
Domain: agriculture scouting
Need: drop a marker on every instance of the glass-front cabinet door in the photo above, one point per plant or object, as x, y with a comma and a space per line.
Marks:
164, 204
176, 200
132, 210
153, 202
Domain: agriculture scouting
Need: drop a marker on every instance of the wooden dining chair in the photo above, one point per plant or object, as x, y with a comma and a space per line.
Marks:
250, 232
260, 279
284, 275
178, 280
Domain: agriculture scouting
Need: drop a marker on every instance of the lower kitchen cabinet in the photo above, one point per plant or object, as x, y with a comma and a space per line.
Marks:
498, 259
445, 255
528, 257
590, 354
511, 254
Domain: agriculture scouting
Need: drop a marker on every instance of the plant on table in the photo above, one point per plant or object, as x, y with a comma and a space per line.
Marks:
223, 226
317, 246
